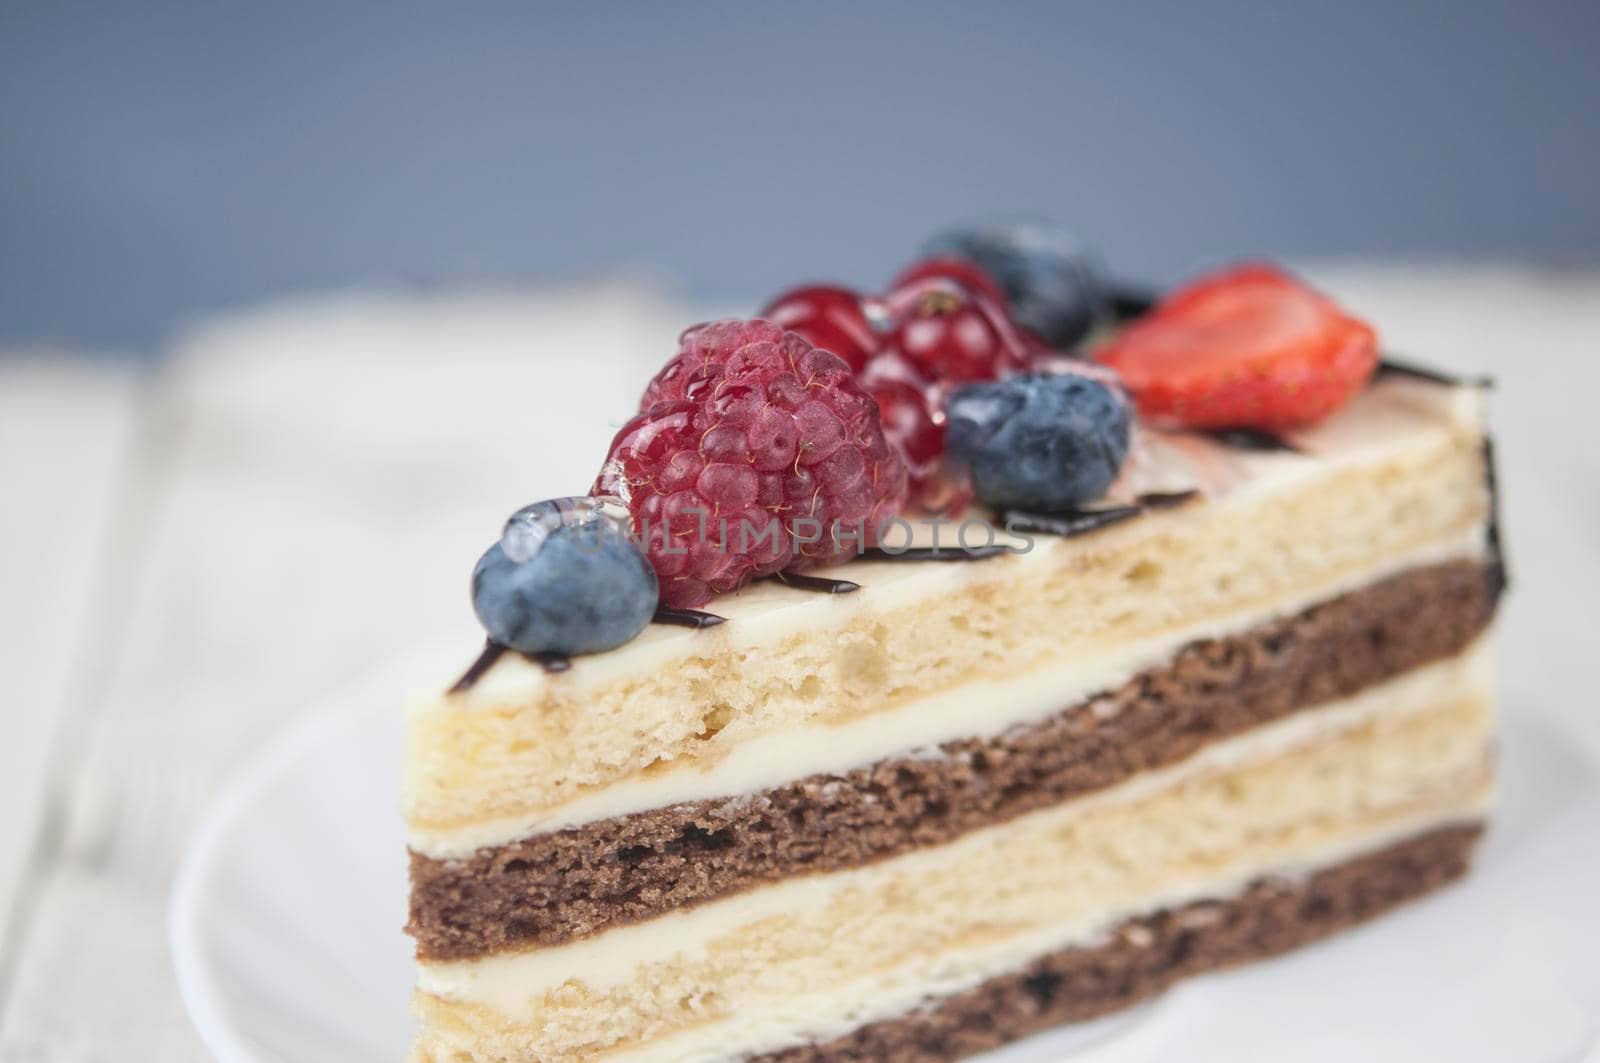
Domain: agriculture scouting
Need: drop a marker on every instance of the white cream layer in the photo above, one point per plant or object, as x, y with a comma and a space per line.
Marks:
981, 709
890, 994
506, 982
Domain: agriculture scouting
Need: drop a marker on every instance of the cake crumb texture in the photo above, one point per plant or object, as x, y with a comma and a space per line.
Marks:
808, 955
568, 884
527, 743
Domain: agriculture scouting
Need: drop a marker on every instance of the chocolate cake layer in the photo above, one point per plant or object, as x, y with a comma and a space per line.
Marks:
556, 887
1146, 955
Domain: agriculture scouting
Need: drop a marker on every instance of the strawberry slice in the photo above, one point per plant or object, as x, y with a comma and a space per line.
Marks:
1247, 347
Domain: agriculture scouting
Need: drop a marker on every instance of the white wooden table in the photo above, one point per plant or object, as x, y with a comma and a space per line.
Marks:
190, 554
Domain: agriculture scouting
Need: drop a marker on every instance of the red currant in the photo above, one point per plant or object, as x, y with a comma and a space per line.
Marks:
963, 271
955, 334
912, 410
830, 317
908, 423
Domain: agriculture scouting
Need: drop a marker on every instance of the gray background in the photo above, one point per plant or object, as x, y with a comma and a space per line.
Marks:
161, 159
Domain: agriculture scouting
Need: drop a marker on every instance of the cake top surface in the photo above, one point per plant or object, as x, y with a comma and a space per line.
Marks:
1395, 412
1003, 403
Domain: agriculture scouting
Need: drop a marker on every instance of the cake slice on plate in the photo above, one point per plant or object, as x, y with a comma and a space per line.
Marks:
1194, 677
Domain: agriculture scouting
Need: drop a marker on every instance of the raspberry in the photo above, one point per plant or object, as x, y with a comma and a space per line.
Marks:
755, 453
711, 343
1248, 347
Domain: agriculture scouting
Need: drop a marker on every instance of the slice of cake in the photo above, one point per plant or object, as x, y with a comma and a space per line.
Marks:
1220, 688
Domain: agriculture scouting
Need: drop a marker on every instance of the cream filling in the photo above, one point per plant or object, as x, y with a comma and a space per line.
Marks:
508, 982
981, 708
891, 993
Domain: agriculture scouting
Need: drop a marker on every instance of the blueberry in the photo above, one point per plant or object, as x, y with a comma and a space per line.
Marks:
1041, 442
1055, 283
566, 578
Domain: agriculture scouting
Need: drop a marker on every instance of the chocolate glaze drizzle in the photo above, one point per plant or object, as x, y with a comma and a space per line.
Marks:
686, 617
929, 553
1250, 439
821, 584
1499, 576
1068, 523
1391, 366
1166, 499
1129, 301
492, 651
549, 661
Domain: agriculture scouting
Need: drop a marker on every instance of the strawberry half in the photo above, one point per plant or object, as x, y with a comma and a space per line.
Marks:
1248, 347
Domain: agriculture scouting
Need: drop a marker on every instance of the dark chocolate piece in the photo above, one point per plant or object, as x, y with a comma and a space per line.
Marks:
821, 584
574, 882
1075, 522
942, 553
686, 617
1250, 439
550, 661
1148, 953
1392, 366
1499, 576
1068, 524
1129, 301
492, 651
1166, 499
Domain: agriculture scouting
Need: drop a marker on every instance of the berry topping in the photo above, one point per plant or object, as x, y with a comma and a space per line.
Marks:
712, 343
1039, 442
963, 271
835, 319
912, 408
1248, 347
954, 333
756, 453
1055, 285
564, 578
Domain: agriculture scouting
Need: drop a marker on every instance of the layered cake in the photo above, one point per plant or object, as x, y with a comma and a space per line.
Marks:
1138, 642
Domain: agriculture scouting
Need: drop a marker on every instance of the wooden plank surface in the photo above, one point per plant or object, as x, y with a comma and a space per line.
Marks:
68, 431
311, 486
299, 494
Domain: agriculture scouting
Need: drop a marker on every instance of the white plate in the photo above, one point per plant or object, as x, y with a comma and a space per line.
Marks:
286, 926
